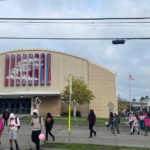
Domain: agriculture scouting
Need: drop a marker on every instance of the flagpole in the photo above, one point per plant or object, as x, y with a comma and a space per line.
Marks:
129, 92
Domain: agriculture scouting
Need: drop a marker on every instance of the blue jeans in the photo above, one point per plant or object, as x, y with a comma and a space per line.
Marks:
142, 125
111, 126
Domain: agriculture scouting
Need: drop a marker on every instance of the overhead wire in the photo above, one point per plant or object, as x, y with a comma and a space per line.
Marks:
138, 18
47, 38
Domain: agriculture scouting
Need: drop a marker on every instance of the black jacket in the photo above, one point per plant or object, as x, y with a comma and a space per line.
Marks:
49, 125
6, 113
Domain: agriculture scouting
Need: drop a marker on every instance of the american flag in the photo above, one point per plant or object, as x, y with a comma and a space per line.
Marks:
130, 77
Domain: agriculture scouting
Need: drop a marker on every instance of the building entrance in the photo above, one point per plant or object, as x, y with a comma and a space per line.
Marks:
16, 105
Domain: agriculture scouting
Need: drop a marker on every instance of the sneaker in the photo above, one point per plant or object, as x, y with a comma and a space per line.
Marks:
45, 141
53, 138
95, 134
111, 134
90, 137
130, 133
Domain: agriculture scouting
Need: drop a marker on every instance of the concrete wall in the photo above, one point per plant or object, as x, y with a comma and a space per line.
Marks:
50, 104
103, 84
84, 109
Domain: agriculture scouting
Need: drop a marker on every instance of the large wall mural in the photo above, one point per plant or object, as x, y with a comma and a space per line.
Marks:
31, 69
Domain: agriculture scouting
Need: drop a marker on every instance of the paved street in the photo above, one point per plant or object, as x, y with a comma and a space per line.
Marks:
79, 136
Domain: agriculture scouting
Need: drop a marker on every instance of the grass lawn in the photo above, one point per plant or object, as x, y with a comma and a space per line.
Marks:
88, 147
80, 120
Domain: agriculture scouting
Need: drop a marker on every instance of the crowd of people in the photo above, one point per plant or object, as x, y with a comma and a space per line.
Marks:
138, 120
37, 123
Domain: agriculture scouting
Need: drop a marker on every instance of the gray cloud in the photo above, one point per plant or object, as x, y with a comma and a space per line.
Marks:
132, 57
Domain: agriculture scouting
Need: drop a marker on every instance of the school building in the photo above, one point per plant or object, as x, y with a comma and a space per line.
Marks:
30, 73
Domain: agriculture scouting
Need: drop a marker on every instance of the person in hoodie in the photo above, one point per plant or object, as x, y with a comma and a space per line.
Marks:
5, 117
13, 128
91, 119
49, 127
135, 124
37, 124
115, 124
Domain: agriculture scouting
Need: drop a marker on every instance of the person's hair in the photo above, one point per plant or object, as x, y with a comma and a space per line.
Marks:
91, 112
48, 115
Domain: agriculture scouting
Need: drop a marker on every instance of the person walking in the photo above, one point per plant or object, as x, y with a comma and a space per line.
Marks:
14, 124
49, 125
130, 118
92, 120
111, 120
5, 117
116, 122
134, 125
37, 124
141, 119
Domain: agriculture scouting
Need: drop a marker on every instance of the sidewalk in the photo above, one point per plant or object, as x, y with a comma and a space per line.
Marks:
79, 136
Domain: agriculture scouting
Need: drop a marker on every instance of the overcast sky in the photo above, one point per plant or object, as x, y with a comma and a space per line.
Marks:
133, 56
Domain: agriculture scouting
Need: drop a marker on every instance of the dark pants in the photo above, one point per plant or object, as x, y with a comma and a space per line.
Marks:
91, 129
35, 138
48, 131
5, 122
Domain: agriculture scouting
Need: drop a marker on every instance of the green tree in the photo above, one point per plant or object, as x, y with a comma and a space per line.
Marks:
146, 97
134, 100
80, 91
142, 98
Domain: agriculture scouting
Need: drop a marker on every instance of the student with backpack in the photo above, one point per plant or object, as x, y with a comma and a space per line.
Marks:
1, 127
49, 125
5, 117
37, 124
116, 122
14, 125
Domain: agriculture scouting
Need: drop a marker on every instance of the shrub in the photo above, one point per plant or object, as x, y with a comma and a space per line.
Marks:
78, 114
64, 114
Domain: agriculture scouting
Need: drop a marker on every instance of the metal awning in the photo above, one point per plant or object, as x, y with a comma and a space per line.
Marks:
30, 93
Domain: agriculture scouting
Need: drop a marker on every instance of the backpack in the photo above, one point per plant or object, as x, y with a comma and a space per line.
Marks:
1, 126
15, 122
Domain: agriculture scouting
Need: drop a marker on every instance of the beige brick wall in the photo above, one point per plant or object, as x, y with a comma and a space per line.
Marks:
84, 109
103, 84
50, 104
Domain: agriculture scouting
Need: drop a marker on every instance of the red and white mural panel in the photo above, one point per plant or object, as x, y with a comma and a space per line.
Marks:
30, 69
27, 69
12, 70
24, 69
6, 77
18, 69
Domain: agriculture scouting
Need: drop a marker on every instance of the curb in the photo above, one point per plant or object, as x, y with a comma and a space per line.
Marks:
79, 126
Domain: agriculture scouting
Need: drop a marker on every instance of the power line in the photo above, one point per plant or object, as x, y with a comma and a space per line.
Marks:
45, 38
73, 22
138, 18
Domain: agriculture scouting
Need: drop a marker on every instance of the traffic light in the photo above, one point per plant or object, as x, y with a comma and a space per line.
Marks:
118, 41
